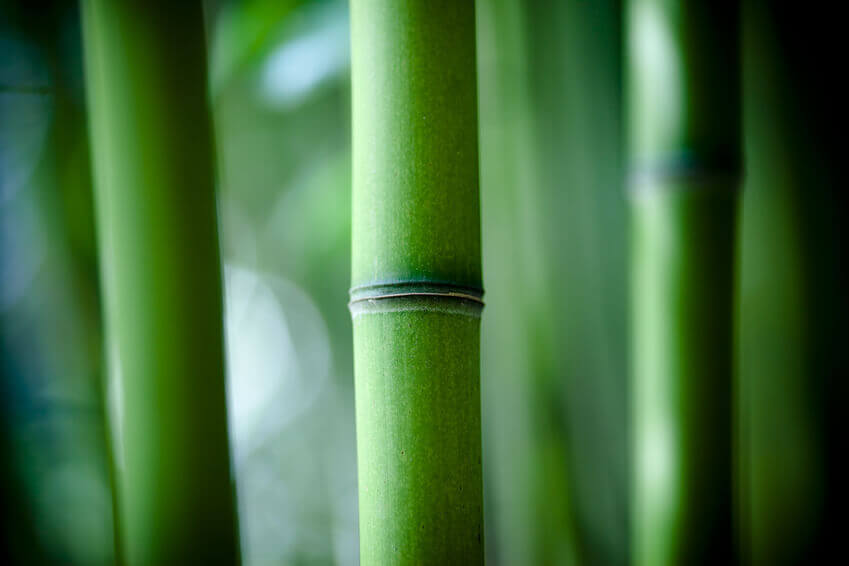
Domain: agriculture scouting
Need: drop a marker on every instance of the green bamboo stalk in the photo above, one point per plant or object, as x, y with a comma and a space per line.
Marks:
156, 213
684, 105
416, 296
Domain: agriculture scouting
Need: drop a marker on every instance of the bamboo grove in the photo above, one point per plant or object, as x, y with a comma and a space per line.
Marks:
643, 187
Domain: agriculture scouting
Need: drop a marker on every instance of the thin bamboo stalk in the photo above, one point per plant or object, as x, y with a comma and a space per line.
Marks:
156, 214
684, 105
415, 300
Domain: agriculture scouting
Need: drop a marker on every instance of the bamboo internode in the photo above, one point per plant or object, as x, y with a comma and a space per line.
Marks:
154, 170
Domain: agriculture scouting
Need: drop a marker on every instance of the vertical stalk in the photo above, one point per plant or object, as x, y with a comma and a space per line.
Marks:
416, 296
156, 214
528, 468
684, 105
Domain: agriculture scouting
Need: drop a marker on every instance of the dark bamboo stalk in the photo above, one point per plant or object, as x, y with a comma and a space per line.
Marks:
684, 104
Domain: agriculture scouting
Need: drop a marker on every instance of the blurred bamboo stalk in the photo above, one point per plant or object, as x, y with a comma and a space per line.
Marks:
416, 296
156, 213
527, 463
684, 106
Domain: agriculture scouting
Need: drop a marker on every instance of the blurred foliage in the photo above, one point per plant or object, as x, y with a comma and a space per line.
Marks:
554, 387
282, 119
51, 416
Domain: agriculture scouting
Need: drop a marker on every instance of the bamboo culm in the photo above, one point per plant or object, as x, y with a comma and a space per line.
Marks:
416, 296
684, 118
154, 171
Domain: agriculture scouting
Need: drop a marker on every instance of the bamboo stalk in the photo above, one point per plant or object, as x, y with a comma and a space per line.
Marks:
161, 275
684, 105
416, 293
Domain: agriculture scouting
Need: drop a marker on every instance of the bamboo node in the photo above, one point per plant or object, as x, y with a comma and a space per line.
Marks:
415, 296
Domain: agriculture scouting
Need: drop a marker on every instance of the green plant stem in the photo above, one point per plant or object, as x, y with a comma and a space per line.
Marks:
156, 215
684, 105
416, 237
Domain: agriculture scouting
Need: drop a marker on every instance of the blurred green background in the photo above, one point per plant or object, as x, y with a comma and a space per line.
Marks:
555, 216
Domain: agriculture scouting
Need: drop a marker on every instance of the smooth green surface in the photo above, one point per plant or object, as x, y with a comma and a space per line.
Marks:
683, 81
418, 432
416, 225
416, 212
683, 249
684, 118
161, 276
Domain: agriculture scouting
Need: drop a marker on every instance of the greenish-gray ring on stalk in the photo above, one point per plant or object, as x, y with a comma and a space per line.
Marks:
416, 295
723, 173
